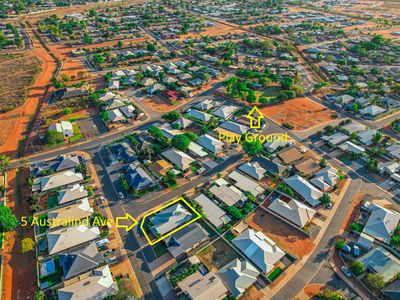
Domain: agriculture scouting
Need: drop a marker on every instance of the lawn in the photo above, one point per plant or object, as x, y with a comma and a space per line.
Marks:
52, 201
42, 229
275, 274
77, 134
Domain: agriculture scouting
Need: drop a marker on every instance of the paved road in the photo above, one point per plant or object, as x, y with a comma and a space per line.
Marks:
319, 256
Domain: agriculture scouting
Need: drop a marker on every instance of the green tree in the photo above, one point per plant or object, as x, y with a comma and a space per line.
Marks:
27, 244
171, 116
39, 295
326, 198
375, 281
377, 137
192, 136
322, 162
4, 162
180, 141
252, 148
7, 220
355, 108
67, 111
339, 243
235, 212
151, 48
357, 267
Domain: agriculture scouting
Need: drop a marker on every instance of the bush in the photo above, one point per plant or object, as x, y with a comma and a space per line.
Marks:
356, 227
339, 243
7, 220
375, 281
27, 244
330, 295
357, 267
288, 125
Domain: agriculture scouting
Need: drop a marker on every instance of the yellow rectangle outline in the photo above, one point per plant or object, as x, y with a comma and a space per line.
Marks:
198, 216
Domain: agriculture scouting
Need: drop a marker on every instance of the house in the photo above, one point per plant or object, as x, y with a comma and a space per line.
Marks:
58, 180
307, 166
381, 223
335, 139
259, 249
210, 143
169, 218
123, 152
196, 82
294, 212
196, 150
238, 276
372, 110
366, 136
365, 241
77, 211
178, 158
113, 104
277, 143
160, 167
80, 260
61, 163
207, 104
68, 237
353, 127
113, 85
185, 76
228, 194
225, 111
128, 111
183, 122
203, 287
63, 127
138, 178
326, 178
148, 81
381, 261
389, 167
213, 212
246, 184
155, 88
271, 166
169, 66
351, 148
98, 285
71, 92
73, 193
202, 116
392, 291
186, 239
234, 127
393, 151
253, 169
289, 155
305, 189
116, 115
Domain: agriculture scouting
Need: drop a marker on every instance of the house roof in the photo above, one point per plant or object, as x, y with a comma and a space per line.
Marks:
213, 212
161, 167
372, 110
72, 193
325, 178
290, 155
59, 164
116, 115
65, 238
178, 158
234, 127
186, 239
381, 223
183, 122
259, 249
226, 194
336, 138
138, 178
294, 211
75, 211
53, 181
304, 189
351, 147
207, 104
202, 116
81, 260
197, 150
307, 166
246, 184
210, 143
393, 290
253, 169
382, 262
200, 287
170, 218
238, 276
98, 285
353, 127
123, 151
225, 111
269, 165
366, 136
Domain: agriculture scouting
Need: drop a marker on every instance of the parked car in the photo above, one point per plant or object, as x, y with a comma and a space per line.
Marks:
329, 205
346, 271
121, 195
356, 250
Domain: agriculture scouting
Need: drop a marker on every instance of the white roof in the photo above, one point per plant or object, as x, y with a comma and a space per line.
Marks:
294, 211
253, 169
56, 180
76, 211
381, 223
178, 158
372, 110
304, 189
225, 111
246, 184
213, 212
210, 143
366, 136
116, 115
325, 178
73, 193
351, 147
258, 248
234, 127
353, 127
197, 149
199, 115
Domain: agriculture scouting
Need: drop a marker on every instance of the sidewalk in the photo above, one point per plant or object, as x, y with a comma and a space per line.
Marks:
292, 270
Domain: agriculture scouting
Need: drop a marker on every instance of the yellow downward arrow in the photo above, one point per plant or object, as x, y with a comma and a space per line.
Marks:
121, 222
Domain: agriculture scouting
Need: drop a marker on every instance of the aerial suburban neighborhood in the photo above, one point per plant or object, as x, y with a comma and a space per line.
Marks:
187, 149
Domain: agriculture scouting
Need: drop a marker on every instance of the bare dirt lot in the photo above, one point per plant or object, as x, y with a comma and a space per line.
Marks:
286, 237
158, 104
216, 30
302, 113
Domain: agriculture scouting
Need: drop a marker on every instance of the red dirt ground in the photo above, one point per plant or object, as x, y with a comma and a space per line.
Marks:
286, 237
19, 269
302, 113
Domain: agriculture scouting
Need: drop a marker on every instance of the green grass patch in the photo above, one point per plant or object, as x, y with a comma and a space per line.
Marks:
77, 134
229, 235
159, 249
42, 229
275, 274
52, 201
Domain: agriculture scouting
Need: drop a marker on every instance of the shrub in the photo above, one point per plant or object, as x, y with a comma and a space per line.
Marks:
357, 267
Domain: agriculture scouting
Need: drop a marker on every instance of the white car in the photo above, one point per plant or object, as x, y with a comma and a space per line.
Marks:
121, 195
346, 271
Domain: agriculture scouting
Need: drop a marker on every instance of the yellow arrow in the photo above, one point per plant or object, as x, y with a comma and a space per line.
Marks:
124, 221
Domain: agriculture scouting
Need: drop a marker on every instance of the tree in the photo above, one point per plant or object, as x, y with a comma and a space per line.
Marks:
180, 141
322, 162
372, 164
377, 137
53, 137
27, 244
151, 48
355, 108
326, 198
171, 116
357, 267
235, 212
330, 295
375, 281
105, 116
339, 243
252, 148
251, 96
67, 111
39, 295
4, 162
192, 136
7, 220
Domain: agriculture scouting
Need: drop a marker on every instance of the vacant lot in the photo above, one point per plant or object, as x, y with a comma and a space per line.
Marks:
286, 237
302, 113
217, 255
20, 71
